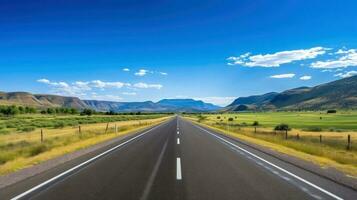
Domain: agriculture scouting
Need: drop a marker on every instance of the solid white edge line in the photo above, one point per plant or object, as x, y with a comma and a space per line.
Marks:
80, 165
277, 167
178, 140
178, 169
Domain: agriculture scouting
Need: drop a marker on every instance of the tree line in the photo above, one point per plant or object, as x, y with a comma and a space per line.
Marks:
14, 110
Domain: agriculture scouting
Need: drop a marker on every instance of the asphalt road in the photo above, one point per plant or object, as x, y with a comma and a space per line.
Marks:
177, 160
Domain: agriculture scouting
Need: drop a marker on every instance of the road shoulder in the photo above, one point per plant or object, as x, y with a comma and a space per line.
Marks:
325, 172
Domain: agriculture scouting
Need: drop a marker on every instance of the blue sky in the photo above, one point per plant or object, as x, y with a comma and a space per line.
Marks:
209, 50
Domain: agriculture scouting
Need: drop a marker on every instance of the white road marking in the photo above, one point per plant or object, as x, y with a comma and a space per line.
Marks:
80, 165
178, 169
178, 132
178, 140
275, 166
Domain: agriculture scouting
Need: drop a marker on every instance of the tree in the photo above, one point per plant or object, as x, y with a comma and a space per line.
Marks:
283, 127
73, 111
87, 111
255, 124
51, 111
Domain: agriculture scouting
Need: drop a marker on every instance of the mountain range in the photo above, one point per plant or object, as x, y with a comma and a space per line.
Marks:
45, 101
340, 94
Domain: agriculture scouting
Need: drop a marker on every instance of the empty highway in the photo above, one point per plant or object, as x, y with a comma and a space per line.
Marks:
177, 160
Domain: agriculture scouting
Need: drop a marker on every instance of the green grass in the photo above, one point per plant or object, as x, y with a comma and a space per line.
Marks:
333, 129
27, 122
341, 121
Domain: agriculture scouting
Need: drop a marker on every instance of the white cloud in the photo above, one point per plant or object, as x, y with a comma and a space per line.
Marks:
283, 76
101, 84
43, 81
142, 72
79, 88
106, 97
129, 93
147, 86
163, 73
220, 101
348, 58
346, 74
305, 78
126, 69
276, 59
64, 88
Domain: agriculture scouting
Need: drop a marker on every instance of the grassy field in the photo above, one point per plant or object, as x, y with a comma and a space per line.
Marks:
341, 121
303, 138
20, 149
28, 123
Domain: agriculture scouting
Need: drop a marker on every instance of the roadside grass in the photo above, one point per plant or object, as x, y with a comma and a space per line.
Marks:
29, 122
21, 150
331, 152
342, 121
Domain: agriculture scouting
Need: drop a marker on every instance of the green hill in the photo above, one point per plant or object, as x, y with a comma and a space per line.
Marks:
340, 94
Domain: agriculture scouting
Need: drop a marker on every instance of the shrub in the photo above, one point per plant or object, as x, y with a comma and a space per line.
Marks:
313, 129
201, 118
255, 123
282, 127
27, 129
230, 119
59, 125
88, 112
35, 150
4, 131
218, 117
331, 111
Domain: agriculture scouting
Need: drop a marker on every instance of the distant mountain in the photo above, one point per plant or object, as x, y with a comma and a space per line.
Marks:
46, 101
146, 106
39, 100
340, 94
188, 105
165, 105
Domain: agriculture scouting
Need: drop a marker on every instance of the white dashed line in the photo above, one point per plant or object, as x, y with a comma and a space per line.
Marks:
178, 140
178, 169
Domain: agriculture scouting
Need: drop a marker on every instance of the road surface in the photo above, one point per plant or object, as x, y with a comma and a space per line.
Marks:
177, 160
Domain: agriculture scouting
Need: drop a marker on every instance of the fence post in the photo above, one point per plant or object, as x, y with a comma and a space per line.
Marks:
255, 129
298, 136
348, 142
116, 128
41, 135
286, 134
106, 129
320, 138
79, 130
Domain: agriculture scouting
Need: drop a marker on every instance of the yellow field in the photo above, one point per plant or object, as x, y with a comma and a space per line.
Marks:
27, 149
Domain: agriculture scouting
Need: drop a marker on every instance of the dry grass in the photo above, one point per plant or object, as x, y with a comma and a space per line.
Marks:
21, 150
325, 154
